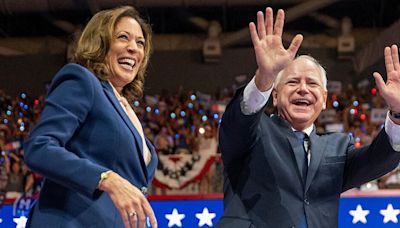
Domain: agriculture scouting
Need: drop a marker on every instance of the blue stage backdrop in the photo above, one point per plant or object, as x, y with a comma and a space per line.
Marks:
359, 210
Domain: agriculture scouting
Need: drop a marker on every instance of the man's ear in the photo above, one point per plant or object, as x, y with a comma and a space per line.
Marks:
325, 99
274, 97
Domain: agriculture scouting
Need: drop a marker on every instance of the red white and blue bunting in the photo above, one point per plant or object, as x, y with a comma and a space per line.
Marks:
176, 171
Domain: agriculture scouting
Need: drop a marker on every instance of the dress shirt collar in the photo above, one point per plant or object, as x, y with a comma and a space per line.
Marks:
308, 130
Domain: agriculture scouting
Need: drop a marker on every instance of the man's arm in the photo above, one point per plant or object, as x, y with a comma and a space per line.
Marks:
254, 99
238, 132
380, 157
370, 162
390, 93
393, 131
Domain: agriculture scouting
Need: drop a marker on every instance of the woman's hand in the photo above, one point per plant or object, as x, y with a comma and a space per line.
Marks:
129, 200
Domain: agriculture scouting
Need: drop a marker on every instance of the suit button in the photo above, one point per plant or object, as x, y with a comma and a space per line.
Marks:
306, 201
144, 190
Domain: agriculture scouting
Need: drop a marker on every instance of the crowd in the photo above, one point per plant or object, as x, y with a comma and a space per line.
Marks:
186, 123
18, 115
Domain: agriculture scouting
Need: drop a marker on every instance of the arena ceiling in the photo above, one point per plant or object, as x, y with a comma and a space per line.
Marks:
37, 26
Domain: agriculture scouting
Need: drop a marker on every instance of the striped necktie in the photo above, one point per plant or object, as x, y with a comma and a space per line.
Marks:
305, 142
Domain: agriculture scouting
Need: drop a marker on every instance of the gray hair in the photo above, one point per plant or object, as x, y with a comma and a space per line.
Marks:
278, 78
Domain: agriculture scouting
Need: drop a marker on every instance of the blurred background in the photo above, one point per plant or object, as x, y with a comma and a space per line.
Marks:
202, 53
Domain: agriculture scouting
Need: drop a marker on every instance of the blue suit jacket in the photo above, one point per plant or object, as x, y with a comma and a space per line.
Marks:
263, 185
83, 131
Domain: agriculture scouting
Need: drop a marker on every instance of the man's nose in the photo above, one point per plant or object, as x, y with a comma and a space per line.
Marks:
303, 87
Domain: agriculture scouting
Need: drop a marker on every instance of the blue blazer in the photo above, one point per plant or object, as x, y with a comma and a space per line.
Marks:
263, 185
83, 131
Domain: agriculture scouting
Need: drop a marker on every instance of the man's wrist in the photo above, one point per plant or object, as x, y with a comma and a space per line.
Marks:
263, 83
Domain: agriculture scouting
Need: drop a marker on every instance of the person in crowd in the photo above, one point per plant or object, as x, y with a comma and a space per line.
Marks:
278, 171
4, 169
89, 144
15, 185
207, 144
164, 141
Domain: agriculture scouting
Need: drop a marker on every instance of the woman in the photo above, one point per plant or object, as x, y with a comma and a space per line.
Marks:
89, 144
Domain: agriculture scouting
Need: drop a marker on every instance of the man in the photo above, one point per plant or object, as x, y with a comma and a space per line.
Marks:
278, 171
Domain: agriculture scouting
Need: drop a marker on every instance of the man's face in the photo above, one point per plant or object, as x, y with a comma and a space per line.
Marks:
300, 95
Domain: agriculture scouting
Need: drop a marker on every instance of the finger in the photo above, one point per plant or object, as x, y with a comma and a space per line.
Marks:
269, 20
133, 220
295, 44
379, 83
260, 25
279, 22
124, 217
395, 57
149, 212
253, 33
388, 60
141, 217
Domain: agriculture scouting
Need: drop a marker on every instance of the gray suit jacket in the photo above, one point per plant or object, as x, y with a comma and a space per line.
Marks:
263, 185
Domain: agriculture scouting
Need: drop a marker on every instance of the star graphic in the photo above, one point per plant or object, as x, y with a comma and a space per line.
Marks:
359, 215
21, 221
175, 218
205, 218
390, 214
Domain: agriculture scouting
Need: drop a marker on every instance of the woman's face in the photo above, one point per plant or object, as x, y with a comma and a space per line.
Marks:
126, 52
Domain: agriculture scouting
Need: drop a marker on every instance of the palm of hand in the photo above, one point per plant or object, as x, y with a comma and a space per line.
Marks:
390, 90
271, 56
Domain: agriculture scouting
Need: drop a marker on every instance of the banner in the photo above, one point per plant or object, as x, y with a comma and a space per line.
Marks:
176, 171
371, 211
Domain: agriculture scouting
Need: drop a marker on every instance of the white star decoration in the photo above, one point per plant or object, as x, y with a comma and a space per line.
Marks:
205, 218
175, 218
359, 215
390, 214
21, 221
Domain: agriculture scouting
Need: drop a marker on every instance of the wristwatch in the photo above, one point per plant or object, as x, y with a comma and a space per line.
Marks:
395, 115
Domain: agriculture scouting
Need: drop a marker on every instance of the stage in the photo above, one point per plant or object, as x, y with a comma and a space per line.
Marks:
367, 209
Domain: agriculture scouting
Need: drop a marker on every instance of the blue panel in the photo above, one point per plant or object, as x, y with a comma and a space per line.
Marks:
188, 208
372, 206
205, 213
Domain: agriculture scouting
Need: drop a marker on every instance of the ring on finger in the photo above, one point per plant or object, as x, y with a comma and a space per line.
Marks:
131, 214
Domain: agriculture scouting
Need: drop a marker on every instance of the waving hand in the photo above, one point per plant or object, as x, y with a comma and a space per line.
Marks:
390, 91
271, 56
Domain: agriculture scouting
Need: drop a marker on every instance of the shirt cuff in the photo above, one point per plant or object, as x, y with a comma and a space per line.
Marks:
393, 132
253, 99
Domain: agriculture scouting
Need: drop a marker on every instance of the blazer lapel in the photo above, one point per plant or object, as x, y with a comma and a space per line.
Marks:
138, 140
297, 148
317, 151
153, 161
